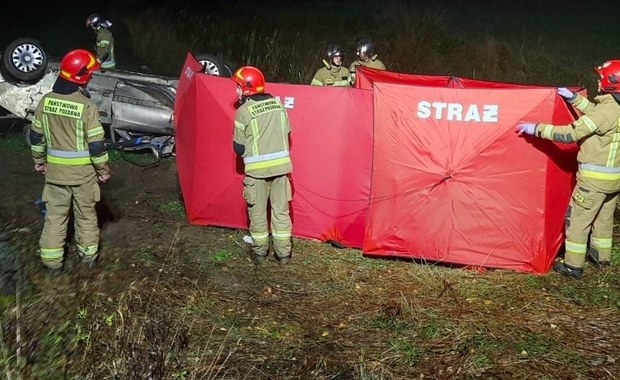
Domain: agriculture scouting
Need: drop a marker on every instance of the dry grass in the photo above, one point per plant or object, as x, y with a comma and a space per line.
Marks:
201, 309
289, 43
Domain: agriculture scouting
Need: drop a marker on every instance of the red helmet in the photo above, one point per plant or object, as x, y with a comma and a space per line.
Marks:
610, 75
251, 80
78, 65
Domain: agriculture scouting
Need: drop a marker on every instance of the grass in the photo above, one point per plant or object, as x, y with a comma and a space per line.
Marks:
317, 318
173, 208
13, 142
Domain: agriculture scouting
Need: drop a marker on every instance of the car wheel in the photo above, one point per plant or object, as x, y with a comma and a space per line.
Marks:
213, 65
25, 60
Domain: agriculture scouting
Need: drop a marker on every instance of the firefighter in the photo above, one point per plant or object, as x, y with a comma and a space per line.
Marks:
68, 147
366, 56
590, 214
261, 137
105, 40
334, 73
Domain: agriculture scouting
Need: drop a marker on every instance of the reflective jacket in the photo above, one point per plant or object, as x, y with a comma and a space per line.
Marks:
67, 136
373, 63
262, 127
331, 76
105, 48
597, 132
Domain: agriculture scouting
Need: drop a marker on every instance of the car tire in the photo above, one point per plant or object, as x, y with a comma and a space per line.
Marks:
25, 60
213, 65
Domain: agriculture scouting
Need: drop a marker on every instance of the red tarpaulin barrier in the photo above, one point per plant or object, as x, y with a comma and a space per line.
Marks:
366, 76
447, 180
453, 182
331, 140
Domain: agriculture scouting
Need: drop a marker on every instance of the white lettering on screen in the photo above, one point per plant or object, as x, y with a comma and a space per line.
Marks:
287, 101
486, 113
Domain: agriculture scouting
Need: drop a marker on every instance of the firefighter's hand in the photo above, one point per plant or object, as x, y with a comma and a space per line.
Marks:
566, 93
39, 168
103, 178
526, 127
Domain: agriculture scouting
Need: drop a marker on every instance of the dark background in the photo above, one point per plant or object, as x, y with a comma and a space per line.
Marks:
583, 33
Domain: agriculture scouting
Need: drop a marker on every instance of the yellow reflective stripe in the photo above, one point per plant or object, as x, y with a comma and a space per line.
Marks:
581, 103
88, 250
284, 134
100, 159
281, 235
103, 43
577, 248
71, 161
259, 236
265, 157
547, 131
79, 135
589, 123
600, 175
46, 130
239, 125
613, 150
37, 148
269, 163
601, 243
95, 131
254, 126
52, 253
65, 108
37, 123
341, 83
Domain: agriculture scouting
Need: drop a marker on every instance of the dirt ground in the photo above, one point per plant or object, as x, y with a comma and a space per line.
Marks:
170, 300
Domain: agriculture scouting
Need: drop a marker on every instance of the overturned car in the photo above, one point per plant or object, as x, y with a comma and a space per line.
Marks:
136, 108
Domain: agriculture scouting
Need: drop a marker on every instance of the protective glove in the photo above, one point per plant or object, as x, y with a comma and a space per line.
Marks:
526, 127
39, 168
566, 93
103, 178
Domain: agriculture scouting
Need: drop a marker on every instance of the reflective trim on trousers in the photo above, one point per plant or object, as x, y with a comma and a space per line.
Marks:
577, 248
52, 253
89, 250
601, 243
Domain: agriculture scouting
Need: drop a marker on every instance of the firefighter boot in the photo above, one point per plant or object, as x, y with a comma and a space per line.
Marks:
282, 260
566, 270
595, 258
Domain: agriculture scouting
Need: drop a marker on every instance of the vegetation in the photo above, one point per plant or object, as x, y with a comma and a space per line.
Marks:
288, 41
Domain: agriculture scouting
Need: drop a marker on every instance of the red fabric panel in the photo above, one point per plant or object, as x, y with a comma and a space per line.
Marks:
331, 152
331, 142
466, 192
365, 77
190, 67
